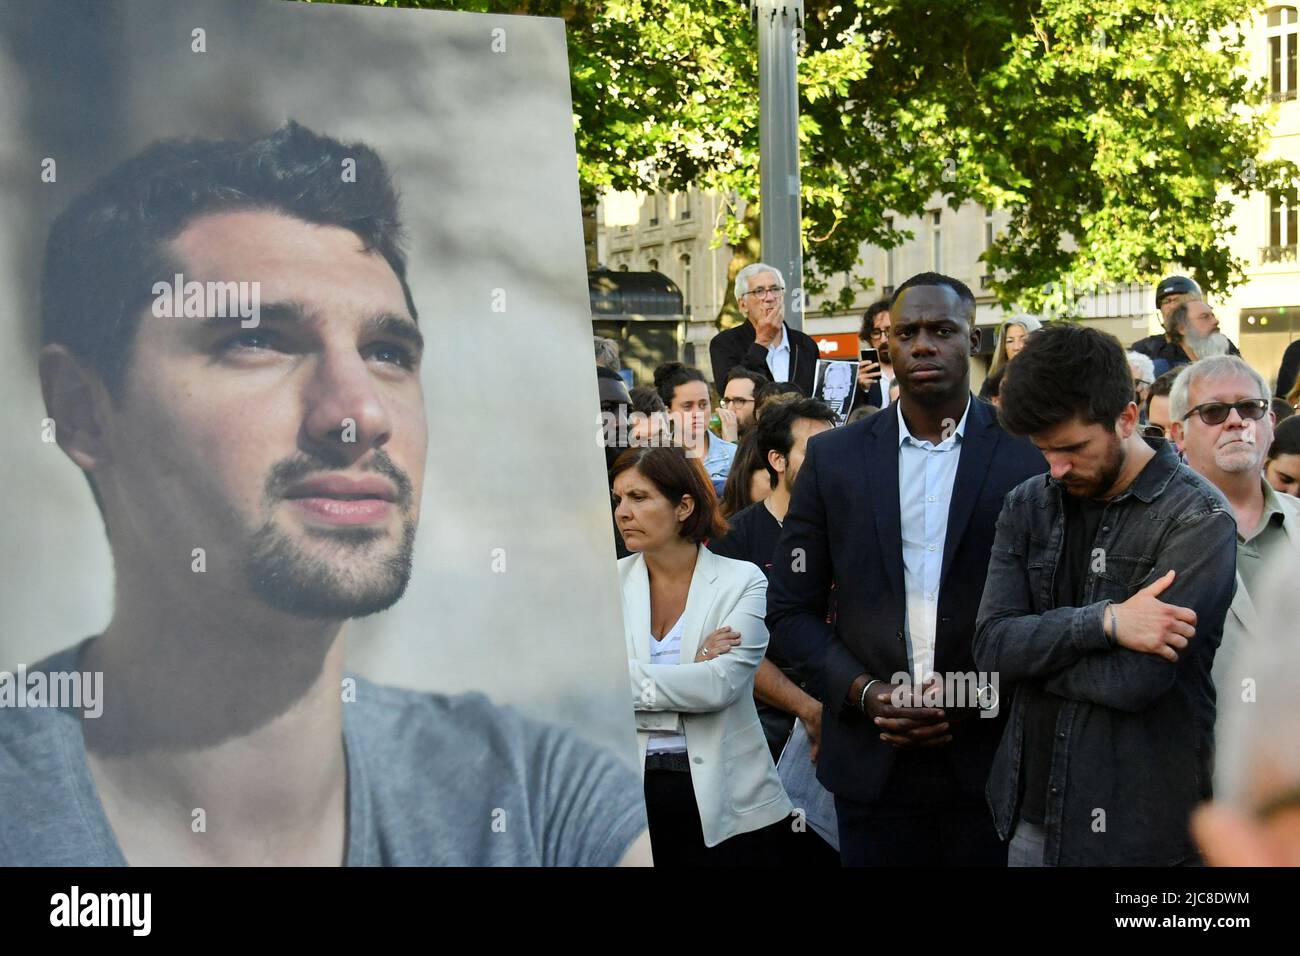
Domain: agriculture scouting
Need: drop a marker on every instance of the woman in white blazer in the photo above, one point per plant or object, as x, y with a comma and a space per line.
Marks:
695, 633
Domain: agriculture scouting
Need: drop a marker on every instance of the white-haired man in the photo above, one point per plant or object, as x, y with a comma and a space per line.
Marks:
1222, 421
1144, 373
764, 343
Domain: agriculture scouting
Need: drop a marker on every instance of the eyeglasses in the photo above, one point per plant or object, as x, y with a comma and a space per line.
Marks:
728, 402
1152, 430
769, 291
878, 334
1216, 413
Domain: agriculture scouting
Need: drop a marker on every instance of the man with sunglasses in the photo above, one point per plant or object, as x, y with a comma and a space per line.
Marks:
1223, 422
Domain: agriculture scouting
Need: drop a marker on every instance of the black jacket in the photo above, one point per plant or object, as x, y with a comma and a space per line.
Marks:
1134, 744
844, 529
1287, 372
737, 347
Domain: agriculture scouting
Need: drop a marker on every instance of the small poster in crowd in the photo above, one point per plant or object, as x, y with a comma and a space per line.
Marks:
834, 385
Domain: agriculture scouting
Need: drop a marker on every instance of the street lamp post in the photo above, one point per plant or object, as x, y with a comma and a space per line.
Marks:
780, 31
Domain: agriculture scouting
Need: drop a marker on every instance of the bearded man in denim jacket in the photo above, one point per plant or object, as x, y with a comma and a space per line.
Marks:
1108, 586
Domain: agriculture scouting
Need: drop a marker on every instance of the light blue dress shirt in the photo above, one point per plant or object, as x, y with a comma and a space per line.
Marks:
778, 357
926, 474
718, 460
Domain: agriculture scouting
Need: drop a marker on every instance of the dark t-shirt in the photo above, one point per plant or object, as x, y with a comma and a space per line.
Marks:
753, 537
433, 780
1082, 519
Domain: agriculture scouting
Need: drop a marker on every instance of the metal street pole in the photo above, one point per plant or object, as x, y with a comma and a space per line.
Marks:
780, 32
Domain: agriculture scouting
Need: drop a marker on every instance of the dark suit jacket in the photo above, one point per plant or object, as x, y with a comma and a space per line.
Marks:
844, 518
1289, 369
737, 347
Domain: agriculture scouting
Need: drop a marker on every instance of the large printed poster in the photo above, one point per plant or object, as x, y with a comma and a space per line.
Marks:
288, 576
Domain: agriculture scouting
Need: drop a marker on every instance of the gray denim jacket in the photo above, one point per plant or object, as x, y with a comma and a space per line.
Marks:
1133, 750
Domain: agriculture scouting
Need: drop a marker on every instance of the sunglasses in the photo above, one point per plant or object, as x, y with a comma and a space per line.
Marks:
1216, 413
1153, 431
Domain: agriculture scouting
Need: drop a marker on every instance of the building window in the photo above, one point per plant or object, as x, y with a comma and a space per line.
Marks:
684, 205
936, 241
1282, 39
656, 209
685, 261
654, 265
1282, 208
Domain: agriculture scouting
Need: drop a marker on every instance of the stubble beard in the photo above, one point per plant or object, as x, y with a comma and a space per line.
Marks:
1237, 458
352, 582
1107, 477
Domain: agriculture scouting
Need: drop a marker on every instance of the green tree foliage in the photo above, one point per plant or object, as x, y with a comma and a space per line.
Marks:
1115, 134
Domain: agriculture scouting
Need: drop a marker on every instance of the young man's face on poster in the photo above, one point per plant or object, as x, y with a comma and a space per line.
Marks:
291, 451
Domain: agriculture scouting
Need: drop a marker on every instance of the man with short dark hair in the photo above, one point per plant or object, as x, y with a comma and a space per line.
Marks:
289, 455
782, 436
773, 390
736, 410
1104, 604
896, 513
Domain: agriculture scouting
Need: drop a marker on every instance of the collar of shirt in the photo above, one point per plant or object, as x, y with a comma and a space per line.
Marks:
905, 436
1272, 514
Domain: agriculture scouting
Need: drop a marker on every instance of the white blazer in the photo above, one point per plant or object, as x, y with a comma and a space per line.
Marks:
736, 785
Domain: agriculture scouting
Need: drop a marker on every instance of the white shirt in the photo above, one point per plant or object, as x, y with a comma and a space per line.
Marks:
778, 357
926, 474
667, 651
886, 380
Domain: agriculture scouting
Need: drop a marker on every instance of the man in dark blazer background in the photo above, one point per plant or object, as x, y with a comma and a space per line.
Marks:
764, 343
875, 586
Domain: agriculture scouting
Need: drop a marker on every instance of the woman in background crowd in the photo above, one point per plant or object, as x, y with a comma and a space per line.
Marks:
1011, 339
1282, 464
690, 406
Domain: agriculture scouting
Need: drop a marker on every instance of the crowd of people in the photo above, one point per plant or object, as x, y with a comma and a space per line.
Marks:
1002, 629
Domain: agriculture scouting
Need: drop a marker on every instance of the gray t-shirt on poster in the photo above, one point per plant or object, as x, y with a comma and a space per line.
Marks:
433, 780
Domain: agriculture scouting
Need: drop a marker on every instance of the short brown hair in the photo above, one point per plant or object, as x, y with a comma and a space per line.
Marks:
675, 473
